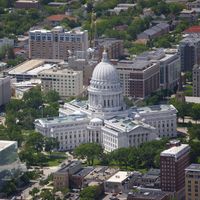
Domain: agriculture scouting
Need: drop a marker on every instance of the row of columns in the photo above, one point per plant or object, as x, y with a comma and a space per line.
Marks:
106, 101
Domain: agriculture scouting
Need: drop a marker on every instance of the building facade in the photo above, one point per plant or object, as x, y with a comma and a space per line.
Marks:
66, 82
169, 61
139, 78
114, 47
192, 181
189, 52
162, 117
27, 4
57, 43
173, 162
196, 81
5, 90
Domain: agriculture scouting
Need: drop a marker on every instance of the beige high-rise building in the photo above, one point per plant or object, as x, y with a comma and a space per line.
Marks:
57, 43
66, 82
192, 182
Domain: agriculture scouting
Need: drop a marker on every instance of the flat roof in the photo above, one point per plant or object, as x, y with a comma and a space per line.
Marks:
27, 1
119, 177
155, 108
62, 120
193, 167
149, 193
26, 66
176, 151
192, 99
63, 71
6, 143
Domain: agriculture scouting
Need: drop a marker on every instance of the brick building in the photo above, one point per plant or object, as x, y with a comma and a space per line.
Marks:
192, 182
173, 162
139, 78
57, 43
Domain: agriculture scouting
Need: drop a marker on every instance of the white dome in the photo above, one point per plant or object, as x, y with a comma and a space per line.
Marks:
96, 120
104, 71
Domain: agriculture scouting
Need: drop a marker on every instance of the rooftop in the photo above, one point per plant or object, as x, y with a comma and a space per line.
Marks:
27, 1
26, 66
54, 70
61, 120
153, 194
68, 166
6, 143
119, 177
193, 29
176, 151
155, 109
193, 167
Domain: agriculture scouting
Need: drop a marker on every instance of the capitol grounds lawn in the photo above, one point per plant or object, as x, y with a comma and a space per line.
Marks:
56, 158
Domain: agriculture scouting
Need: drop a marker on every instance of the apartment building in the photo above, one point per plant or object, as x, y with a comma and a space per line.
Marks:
57, 43
66, 82
196, 80
173, 162
189, 52
114, 47
139, 78
192, 182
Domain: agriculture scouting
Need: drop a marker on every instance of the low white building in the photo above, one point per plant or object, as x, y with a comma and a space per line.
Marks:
122, 181
162, 117
119, 132
70, 130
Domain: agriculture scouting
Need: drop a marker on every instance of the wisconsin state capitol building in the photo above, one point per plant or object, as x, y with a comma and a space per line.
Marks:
105, 119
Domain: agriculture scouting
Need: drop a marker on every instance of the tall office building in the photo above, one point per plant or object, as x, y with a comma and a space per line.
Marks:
57, 43
196, 80
139, 78
5, 90
170, 68
173, 162
189, 53
66, 82
192, 182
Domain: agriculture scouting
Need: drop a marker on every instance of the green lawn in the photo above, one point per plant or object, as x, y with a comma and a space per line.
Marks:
188, 90
55, 161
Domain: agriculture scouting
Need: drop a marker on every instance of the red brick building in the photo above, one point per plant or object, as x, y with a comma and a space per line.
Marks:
139, 78
173, 162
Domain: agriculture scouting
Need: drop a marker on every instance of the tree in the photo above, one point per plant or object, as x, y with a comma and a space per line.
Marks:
120, 155
47, 194
50, 144
90, 193
33, 98
51, 96
89, 151
35, 141
195, 112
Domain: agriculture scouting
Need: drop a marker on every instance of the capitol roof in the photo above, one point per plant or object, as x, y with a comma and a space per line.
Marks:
105, 71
